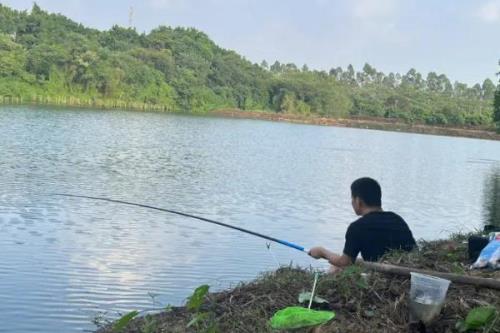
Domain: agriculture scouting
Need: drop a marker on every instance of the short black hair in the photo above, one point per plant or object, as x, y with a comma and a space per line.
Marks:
368, 190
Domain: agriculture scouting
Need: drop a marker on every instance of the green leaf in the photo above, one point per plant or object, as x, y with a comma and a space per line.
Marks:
124, 320
306, 297
197, 318
195, 300
192, 321
212, 329
479, 317
361, 283
297, 317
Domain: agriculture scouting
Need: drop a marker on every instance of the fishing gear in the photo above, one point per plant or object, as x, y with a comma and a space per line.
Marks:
279, 241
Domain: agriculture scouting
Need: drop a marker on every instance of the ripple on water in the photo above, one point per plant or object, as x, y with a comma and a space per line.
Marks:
66, 260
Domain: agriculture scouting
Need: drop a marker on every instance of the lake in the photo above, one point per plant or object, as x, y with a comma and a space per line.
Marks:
68, 261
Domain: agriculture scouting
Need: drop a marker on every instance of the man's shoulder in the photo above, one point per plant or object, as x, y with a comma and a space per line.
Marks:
383, 215
377, 217
393, 216
357, 224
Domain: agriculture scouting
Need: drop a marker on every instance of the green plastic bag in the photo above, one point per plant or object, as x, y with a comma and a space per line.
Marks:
298, 317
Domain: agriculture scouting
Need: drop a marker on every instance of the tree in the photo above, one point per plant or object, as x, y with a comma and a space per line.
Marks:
336, 73
276, 67
12, 58
445, 85
474, 92
369, 72
290, 67
460, 89
390, 81
43, 57
433, 82
182, 69
488, 89
496, 109
413, 79
349, 76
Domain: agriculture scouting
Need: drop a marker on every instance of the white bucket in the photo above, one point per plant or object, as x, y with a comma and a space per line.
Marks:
427, 295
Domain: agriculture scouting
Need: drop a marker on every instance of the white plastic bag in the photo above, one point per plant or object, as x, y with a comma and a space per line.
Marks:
490, 255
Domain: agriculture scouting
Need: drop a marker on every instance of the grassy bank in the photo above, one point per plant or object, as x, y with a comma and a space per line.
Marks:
82, 102
478, 132
362, 301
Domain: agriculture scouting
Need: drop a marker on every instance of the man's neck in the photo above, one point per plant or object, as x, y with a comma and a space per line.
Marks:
368, 210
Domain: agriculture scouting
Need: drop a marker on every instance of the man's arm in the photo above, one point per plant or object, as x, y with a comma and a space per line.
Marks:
333, 258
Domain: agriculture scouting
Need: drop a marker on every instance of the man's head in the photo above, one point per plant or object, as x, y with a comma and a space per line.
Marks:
366, 195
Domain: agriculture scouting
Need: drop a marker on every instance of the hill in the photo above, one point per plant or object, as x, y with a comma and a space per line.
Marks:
48, 59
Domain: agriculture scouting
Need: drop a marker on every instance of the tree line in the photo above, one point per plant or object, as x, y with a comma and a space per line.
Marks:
181, 69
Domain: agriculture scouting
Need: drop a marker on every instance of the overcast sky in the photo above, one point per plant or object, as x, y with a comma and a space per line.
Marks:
456, 37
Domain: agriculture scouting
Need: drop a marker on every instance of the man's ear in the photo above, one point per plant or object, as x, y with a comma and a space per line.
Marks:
360, 202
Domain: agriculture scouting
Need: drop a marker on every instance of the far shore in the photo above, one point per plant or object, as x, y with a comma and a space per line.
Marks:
384, 124
362, 122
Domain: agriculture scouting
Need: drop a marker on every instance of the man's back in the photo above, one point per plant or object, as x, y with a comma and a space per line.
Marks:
376, 233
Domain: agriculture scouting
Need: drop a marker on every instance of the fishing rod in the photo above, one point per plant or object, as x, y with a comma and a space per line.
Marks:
279, 241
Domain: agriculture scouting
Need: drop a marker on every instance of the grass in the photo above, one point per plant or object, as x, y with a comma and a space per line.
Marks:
363, 302
84, 102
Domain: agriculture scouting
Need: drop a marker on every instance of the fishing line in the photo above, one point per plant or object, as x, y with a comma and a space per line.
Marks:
268, 245
279, 241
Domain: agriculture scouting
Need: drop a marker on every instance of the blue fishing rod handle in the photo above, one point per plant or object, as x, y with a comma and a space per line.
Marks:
294, 246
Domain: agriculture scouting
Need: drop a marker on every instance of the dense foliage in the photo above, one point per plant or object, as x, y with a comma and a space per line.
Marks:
50, 58
496, 108
496, 113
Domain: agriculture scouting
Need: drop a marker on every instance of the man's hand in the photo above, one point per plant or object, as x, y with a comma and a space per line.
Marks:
316, 252
320, 252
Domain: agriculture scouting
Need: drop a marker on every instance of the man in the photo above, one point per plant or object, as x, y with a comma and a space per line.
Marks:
373, 234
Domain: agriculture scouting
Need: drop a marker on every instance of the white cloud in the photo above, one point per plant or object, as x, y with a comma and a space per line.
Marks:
489, 11
374, 8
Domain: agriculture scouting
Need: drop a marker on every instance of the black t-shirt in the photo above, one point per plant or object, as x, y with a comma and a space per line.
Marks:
376, 233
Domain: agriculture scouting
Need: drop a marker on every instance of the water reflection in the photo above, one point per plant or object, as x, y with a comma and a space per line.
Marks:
492, 198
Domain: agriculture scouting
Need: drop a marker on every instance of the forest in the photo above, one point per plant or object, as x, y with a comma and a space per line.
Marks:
48, 58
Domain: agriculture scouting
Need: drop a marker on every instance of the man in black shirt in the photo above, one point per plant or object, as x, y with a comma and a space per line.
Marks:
374, 233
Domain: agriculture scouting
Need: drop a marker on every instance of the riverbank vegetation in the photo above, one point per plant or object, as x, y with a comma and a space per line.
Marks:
496, 111
363, 301
49, 59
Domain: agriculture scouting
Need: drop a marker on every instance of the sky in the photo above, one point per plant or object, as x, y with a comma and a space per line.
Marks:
456, 37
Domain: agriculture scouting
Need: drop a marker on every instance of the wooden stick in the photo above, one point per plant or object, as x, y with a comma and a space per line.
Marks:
405, 271
314, 289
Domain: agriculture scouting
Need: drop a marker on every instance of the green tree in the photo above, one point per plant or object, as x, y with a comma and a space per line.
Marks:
496, 110
48, 55
12, 58
433, 82
349, 76
276, 67
488, 89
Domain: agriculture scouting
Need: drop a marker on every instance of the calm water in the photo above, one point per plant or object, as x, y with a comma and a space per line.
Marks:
66, 260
